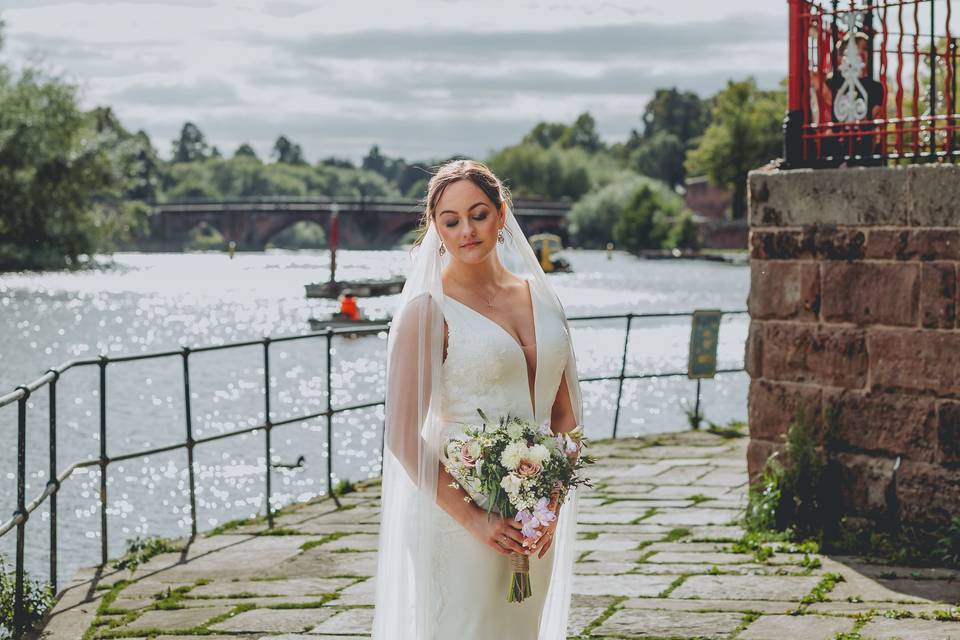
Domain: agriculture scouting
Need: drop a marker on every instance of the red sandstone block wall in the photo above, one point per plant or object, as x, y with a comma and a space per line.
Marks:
854, 304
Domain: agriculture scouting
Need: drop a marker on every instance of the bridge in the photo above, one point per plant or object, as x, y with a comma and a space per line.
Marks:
369, 223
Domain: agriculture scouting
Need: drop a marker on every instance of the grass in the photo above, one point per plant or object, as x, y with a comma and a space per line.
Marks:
825, 586
675, 534
330, 537
650, 512
140, 550
673, 585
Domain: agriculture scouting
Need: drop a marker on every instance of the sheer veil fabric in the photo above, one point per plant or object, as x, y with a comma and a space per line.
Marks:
406, 590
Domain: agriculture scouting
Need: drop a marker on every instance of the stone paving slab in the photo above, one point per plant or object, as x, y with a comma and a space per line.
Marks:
274, 620
655, 559
806, 627
746, 587
885, 629
169, 620
669, 624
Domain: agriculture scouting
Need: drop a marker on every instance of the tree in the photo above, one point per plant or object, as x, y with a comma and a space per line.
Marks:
532, 171
745, 132
245, 151
287, 152
684, 115
582, 133
374, 161
545, 134
661, 157
333, 161
191, 146
62, 175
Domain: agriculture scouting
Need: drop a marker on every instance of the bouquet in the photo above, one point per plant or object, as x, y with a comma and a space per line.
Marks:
522, 470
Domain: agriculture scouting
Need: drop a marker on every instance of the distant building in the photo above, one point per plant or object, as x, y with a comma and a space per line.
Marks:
710, 204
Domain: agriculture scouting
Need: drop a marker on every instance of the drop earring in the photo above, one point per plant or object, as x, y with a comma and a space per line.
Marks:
500, 236
443, 249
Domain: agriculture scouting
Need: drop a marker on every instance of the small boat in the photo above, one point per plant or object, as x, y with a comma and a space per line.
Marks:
339, 320
546, 244
359, 288
332, 288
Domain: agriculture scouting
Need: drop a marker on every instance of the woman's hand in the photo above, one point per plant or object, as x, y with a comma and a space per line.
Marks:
499, 533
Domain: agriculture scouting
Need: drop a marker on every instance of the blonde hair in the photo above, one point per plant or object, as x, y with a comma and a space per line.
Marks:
453, 171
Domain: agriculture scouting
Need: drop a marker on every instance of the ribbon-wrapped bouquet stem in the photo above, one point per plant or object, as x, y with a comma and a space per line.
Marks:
521, 470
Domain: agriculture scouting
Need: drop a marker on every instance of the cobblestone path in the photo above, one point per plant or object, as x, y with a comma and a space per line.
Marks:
656, 560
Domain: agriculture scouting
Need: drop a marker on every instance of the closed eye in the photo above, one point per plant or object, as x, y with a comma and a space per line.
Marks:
455, 221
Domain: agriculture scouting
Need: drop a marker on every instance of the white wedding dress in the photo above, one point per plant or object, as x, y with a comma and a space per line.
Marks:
487, 368
435, 581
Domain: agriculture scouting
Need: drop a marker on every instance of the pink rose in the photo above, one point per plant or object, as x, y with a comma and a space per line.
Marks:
528, 468
465, 457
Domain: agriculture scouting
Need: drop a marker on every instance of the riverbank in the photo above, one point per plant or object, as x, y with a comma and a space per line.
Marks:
657, 559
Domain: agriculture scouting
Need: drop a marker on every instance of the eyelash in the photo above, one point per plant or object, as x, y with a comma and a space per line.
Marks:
478, 218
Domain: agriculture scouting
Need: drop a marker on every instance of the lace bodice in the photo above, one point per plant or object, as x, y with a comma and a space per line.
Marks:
486, 368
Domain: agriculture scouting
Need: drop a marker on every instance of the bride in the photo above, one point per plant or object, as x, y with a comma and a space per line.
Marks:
478, 327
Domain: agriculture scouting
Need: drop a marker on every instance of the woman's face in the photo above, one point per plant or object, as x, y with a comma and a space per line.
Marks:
468, 222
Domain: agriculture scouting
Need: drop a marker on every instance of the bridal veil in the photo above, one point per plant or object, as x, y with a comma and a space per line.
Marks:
405, 587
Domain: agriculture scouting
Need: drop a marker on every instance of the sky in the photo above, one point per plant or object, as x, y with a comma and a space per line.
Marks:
423, 79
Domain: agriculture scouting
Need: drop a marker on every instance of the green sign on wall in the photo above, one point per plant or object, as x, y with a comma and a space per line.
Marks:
704, 330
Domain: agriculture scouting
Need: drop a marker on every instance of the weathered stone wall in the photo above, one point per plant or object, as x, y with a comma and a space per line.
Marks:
854, 306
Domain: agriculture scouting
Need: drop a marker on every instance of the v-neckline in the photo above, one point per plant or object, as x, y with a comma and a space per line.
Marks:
536, 344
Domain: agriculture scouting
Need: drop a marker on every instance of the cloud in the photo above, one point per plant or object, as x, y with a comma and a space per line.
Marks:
689, 41
211, 92
424, 79
287, 8
31, 4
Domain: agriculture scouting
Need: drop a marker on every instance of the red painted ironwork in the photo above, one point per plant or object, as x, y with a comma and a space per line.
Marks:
907, 88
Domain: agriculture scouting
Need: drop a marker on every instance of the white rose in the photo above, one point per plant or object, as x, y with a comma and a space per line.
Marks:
513, 454
538, 453
511, 483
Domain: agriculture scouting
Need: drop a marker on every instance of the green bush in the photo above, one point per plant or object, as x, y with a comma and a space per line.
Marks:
633, 211
792, 494
797, 495
38, 597
948, 546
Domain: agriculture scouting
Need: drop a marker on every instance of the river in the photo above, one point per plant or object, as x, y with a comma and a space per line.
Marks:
140, 303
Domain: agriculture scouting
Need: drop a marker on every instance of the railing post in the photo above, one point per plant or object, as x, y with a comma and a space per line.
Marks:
53, 482
793, 121
18, 607
268, 426
623, 372
103, 459
336, 500
190, 443
696, 408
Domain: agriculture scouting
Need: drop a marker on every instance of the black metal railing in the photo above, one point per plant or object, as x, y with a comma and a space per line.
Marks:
50, 379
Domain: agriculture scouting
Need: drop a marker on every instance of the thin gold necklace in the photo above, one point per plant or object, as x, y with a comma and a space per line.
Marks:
490, 300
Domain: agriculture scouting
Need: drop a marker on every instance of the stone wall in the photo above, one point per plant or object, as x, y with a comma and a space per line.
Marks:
854, 311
